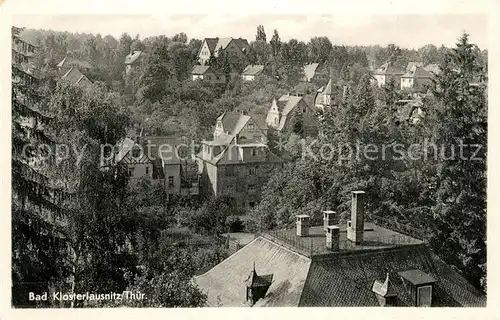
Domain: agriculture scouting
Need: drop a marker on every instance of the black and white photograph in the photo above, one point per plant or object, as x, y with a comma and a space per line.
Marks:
248, 160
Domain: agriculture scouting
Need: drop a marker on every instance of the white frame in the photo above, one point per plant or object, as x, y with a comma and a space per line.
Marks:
418, 295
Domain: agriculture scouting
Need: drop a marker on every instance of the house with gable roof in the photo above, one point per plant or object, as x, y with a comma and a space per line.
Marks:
236, 48
70, 61
238, 161
386, 72
207, 73
416, 78
292, 114
133, 59
74, 77
325, 261
316, 72
252, 72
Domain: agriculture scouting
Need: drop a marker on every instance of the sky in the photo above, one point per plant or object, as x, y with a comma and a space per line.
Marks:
348, 28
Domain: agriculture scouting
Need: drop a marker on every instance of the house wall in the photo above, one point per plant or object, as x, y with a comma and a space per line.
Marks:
380, 79
273, 116
243, 184
406, 83
248, 77
195, 77
234, 52
204, 54
172, 170
251, 133
303, 112
140, 169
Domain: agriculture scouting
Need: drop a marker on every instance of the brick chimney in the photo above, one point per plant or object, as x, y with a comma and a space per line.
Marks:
333, 238
329, 219
302, 225
356, 227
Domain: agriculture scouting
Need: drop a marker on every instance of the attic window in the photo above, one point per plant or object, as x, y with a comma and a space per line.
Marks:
419, 285
257, 286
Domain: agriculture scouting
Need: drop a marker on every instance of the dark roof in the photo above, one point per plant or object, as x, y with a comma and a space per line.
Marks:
229, 120
212, 43
253, 69
69, 61
345, 278
75, 77
388, 69
417, 277
133, 57
203, 69
417, 72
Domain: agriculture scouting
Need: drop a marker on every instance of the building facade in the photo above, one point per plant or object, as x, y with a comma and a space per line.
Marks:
132, 60
386, 72
292, 114
238, 162
252, 72
209, 74
417, 79
235, 48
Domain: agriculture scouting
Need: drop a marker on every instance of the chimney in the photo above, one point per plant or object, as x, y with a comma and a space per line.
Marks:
302, 225
329, 219
356, 227
333, 238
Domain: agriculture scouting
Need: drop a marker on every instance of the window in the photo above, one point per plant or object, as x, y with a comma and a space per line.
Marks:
253, 152
131, 172
136, 153
251, 204
424, 296
170, 181
230, 171
252, 171
147, 170
251, 188
275, 120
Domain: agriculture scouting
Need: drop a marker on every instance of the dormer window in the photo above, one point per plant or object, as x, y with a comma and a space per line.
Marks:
257, 286
420, 286
251, 127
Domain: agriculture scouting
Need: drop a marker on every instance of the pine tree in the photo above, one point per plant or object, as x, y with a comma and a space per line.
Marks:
38, 238
460, 195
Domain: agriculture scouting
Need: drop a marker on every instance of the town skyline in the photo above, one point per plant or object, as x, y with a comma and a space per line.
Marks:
346, 29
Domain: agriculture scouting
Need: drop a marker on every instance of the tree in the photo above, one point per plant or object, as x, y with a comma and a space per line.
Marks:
124, 44
261, 34
319, 49
275, 43
38, 236
292, 58
460, 195
180, 37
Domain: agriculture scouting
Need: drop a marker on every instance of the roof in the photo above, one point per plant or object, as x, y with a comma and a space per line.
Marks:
126, 145
240, 124
412, 64
212, 43
433, 68
229, 120
388, 69
417, 277
167, 149
260, 121
310, 69
286, 103
340, 279
203, 69
417, 72
28, 37
253, 70
225, 283
75, 77
133, 57
69, 61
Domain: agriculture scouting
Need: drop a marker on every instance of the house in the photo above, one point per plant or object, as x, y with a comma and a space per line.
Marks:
237, 162
70, 61
292, 114
417, 78
236, 49
74, 77
433, 68
252, 72
412, 64
327, 96
358, 263
412, 110
316, 72
23, 45
386, 72
132, 60
162, 160
208, 73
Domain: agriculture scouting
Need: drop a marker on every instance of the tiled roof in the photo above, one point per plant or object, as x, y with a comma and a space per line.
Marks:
417, 72
253, 69
74, 62
124, 148
260, 121
339, 279
229, 120
287, 103
133, 57
199, 69
388, 69
225, 283
347, 280
242, 121
310, 69
75, 77
412, 64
